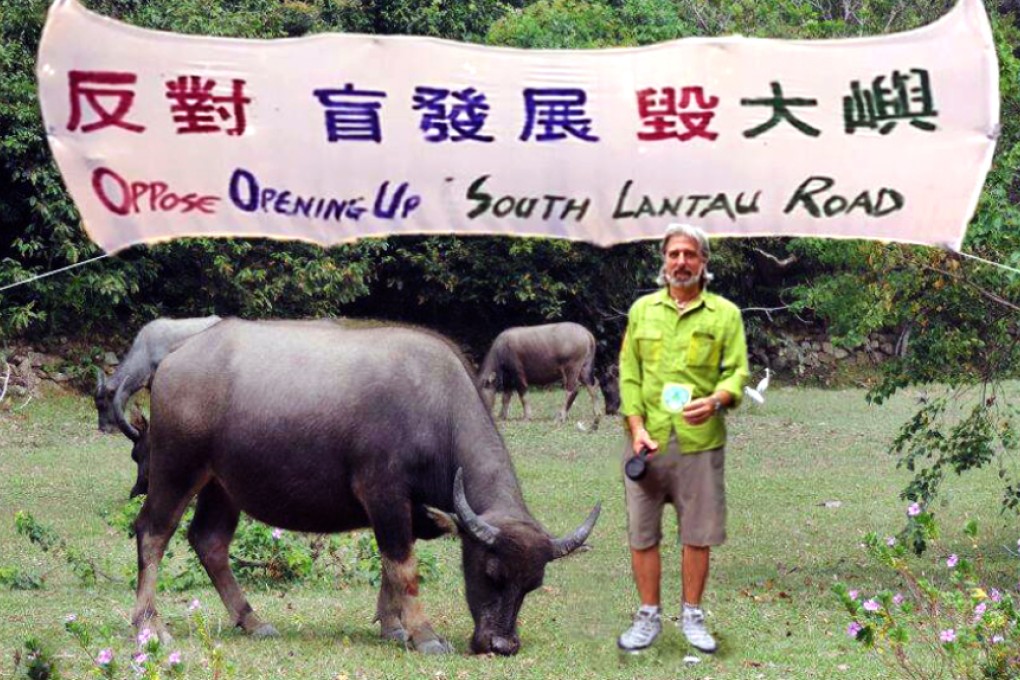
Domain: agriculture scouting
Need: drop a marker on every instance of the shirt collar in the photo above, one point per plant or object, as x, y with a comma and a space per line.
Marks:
704, 297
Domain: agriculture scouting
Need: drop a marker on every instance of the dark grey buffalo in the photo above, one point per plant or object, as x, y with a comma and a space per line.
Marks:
155, 340
539, 355
319, 428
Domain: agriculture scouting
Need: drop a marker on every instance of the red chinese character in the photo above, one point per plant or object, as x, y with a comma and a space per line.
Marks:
660, 111
198, 110
95, 87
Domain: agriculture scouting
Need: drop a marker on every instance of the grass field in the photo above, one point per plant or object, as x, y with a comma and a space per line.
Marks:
769, 597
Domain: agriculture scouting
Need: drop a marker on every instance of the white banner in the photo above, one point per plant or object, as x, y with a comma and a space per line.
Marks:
331, 138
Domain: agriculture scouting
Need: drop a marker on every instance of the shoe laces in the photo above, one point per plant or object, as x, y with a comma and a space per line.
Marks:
646, 622
695, 616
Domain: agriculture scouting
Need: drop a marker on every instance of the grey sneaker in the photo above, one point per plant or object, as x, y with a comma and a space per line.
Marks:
693, 625
642, 632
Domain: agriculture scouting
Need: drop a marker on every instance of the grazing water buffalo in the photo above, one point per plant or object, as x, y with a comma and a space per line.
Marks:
539, 355
319, 428
155, 340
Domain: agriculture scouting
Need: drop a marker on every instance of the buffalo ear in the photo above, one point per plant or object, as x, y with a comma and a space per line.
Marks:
444, 520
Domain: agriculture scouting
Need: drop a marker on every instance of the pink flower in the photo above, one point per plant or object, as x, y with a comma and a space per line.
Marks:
914, 510
277, 534
105, 657
952, 560
996, 639
854, 629
948, 635
891, 541
872, 605
140, 658
144, 637
994, 595
70, 618
195, 605
898, 599
979, 611
853, 594
174, 659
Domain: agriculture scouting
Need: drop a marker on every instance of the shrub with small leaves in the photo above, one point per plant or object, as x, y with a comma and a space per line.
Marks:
82, 566
36, 663
16, 579
952, 625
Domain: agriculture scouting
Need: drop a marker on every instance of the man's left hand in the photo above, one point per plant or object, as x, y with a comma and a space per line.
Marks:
699, 410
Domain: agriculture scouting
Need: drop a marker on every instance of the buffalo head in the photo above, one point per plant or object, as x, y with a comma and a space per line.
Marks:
504, 560
103, 399
486, 384
609, 381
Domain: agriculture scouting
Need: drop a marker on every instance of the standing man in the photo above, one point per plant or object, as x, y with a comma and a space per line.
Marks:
683, 363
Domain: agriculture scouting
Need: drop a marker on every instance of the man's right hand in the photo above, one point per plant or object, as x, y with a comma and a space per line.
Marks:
642, 440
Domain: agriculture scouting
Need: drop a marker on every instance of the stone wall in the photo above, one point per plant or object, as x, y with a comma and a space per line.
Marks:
813, 354
27, 369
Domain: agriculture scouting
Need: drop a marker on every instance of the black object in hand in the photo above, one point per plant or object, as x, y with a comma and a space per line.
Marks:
637, 466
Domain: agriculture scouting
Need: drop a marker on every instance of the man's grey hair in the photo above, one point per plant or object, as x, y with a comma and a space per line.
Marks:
696, 234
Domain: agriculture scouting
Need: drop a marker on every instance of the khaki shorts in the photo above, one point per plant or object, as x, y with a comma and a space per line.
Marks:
693, 483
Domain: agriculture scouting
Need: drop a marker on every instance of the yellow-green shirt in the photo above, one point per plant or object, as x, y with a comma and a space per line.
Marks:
703, 348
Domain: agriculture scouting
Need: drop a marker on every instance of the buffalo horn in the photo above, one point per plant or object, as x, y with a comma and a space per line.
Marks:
474, 525
568, 544
122, 422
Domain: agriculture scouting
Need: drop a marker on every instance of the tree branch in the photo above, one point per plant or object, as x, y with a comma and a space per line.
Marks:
987, 294
782, 264
767, 310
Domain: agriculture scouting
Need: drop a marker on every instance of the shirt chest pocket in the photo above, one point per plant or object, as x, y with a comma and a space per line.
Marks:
649, 341
705, 350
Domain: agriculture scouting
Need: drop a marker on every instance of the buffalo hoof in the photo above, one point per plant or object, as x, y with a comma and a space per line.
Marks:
397, 634
266, 630
436, 646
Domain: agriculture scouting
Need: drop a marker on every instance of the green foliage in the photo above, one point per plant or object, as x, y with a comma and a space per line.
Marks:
956, 626
49, 541
36, 663
559, 23
17, 579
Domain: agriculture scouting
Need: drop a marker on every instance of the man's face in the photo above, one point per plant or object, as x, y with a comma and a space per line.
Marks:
684, 262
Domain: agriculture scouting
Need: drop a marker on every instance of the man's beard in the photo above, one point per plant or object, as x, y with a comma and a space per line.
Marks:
688, 282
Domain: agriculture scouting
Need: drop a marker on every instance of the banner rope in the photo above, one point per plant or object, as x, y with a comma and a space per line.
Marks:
55, 271
983, 260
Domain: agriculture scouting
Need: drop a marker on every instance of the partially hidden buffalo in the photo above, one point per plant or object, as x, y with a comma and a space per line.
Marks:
540, 355
156, 339
318, 428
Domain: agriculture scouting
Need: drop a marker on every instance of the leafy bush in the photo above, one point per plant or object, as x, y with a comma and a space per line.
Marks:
16, 579
956, 626
265, 556
82, 566
36, 663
